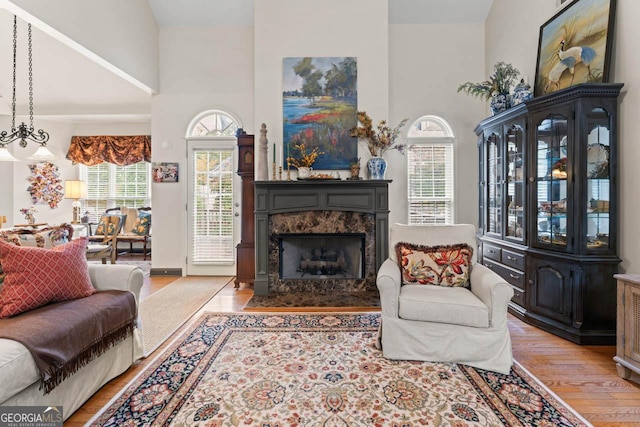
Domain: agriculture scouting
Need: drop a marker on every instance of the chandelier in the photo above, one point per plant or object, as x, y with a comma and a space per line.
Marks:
22, 132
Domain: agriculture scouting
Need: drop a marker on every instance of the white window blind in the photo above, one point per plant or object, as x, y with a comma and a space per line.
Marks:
110, 186
430, 172
430, 184
213, 206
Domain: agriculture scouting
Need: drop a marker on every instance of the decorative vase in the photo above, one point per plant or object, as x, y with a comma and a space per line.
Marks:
30, 219
377, 167
522, 92
499, 102
304, 172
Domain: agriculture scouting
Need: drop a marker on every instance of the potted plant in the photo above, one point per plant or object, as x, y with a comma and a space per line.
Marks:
378, 141
496, 88
354, 166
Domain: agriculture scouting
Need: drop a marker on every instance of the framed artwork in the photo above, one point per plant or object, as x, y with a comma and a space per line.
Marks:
575, 46
165, 172
319, 105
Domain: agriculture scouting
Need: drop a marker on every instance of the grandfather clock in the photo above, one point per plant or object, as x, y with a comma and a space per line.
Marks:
245, 262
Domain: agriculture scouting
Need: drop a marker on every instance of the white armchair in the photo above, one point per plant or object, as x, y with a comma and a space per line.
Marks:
444, 324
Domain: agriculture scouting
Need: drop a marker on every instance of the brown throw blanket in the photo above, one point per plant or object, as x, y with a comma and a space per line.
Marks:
64, 336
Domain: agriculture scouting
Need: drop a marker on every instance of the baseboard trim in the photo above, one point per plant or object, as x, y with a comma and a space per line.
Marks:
165, 272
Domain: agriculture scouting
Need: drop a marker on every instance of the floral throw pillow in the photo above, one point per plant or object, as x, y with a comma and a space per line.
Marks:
143, 224
448, 266
110, 226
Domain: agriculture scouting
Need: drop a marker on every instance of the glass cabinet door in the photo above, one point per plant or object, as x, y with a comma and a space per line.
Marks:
494, 185
515, 183
550, 182
598, 180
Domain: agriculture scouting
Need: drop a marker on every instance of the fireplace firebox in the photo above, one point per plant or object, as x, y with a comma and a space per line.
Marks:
321, 256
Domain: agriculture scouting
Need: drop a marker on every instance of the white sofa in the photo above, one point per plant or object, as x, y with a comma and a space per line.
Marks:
20, 377
440, 324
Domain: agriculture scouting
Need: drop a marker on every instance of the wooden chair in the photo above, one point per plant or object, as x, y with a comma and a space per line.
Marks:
107, 247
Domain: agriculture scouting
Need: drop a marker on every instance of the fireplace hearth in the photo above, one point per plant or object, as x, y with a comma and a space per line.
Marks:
320, 237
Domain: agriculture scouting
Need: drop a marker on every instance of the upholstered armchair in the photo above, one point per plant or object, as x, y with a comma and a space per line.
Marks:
439, 323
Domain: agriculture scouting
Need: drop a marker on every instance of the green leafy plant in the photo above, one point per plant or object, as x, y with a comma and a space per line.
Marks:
503, 77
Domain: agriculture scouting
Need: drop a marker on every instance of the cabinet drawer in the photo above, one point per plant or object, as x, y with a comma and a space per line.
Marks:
513, 259
515, 277
491, 252
518, 296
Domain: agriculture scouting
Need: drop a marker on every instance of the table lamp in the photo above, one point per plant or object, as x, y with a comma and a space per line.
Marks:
76, 190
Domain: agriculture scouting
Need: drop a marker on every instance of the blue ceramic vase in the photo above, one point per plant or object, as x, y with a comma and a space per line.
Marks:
377, 167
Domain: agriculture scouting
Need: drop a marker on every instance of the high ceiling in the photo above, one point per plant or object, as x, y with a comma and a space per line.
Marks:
68, 86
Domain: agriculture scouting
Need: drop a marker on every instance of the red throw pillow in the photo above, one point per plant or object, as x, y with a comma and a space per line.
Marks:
448, 266
37, 276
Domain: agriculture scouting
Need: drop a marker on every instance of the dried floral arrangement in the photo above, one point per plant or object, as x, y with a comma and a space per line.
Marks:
305, 160
378, 140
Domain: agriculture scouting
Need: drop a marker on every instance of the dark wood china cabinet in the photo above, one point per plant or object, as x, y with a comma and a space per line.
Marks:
548, 208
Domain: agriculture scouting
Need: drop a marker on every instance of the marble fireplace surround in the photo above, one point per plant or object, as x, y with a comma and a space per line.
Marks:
318, 206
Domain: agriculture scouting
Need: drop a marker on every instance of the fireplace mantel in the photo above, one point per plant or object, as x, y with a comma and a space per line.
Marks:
276, 197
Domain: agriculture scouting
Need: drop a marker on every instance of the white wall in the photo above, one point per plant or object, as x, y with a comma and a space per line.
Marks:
428, 63
338, 28
125, 35
520, 48
200, 69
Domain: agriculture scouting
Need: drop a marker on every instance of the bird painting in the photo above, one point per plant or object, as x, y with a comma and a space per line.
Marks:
573, 46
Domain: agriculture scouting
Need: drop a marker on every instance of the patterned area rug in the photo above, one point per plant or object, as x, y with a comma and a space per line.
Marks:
319, 370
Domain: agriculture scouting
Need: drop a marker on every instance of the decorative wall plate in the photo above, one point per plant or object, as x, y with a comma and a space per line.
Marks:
597, 161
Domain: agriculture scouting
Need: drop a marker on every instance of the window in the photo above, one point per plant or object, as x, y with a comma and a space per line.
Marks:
430, 171
110, 186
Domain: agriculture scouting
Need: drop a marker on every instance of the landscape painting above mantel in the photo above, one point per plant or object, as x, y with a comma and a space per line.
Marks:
319, 102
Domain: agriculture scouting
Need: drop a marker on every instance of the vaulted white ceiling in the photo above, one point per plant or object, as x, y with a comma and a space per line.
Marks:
69, 86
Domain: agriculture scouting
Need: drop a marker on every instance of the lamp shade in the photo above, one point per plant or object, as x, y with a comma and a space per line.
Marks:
75, 189
6, 156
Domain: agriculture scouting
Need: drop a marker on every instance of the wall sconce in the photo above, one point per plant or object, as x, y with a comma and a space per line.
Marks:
76, 190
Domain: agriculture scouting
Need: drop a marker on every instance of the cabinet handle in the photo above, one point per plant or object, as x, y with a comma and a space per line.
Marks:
491, 251
512, 258
513, 276
531, 179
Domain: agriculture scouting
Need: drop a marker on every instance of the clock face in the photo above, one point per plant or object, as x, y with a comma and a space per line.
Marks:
597, 161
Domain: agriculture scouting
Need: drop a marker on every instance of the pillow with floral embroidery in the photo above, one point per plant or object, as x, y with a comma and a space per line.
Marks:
110, 226
448, 265
143, 224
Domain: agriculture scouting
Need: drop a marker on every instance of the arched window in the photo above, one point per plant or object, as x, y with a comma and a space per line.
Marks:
430, 171
213, 123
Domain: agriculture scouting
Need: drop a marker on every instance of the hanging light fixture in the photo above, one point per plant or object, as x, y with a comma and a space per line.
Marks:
23, 132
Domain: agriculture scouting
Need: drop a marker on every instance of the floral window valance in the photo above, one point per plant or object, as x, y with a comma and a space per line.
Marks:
119, 150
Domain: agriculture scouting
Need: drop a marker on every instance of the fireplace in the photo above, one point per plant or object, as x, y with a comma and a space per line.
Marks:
324, 236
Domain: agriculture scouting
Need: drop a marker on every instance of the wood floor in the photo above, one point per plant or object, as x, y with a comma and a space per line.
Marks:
584, 377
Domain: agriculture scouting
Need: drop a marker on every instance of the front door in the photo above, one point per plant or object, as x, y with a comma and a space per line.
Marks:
212, 204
